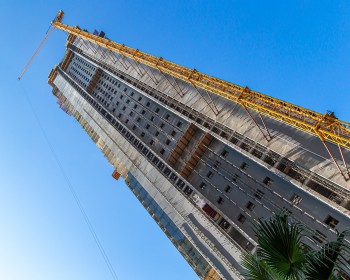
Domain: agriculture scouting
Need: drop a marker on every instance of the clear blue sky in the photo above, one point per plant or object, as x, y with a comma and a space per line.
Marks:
293, 50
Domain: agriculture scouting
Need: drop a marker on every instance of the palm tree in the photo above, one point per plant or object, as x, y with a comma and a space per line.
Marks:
282, 255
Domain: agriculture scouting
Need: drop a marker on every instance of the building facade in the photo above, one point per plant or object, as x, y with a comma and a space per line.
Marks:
201, 165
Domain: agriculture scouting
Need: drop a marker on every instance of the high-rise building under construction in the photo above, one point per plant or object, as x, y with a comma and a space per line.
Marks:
205, 165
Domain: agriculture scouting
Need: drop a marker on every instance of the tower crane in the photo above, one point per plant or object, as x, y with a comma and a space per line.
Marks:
325, 126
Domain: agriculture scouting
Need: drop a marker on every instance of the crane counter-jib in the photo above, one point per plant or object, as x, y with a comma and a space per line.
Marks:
327, 127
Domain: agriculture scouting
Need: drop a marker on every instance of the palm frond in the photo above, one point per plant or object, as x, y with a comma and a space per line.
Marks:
280, 246
322, 264
255, 268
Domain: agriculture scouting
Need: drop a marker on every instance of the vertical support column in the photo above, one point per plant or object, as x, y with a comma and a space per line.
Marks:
334, 160
216, 111
262, 120
256, 124
344, 161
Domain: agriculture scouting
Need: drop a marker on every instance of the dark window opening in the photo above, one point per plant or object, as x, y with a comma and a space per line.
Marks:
228, 189
210, 175
188, 190
259, 194
216, 164
267, 181
331, 221
224, 153
162, 151
244, 166
224, 224
319, 236
250, 205
241, 218
202, 186
220, 200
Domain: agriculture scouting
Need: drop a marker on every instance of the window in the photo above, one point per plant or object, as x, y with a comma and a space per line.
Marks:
167, 142
331, 221
151, 142
135, 106
224, 224
267, 181
210, 175
228, 189
167, 116
202, 186
143, 112
147, 104
132, 94
319, 236
157, 133
131, 113
147, 126
124, 108
127, 101
138, 119
250, 205
259, 194
295, 199
241, 218
173, 133
235, 178
125, 89
216, 164
133, 127
142, 134
157, 110
152, 118
161, 125
220, 200
127, 120
179, 124
244, 166
162, 151
121, 97
139, 99
119, 115
224, 153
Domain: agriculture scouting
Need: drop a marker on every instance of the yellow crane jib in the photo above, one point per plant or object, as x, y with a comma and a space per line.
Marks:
327, 127
331, 128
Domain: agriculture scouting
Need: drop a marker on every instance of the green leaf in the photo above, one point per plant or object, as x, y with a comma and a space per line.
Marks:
255, 268
322, 264
280, 246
